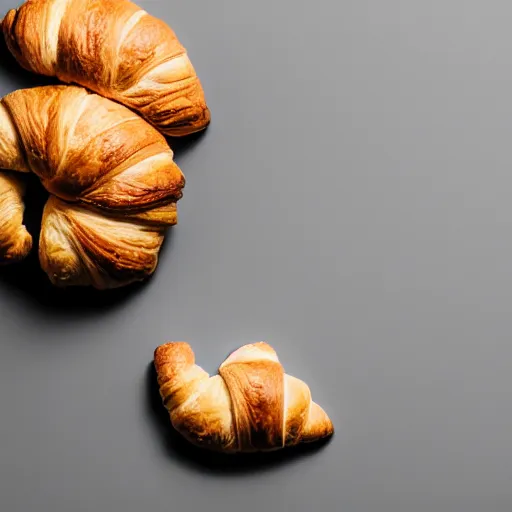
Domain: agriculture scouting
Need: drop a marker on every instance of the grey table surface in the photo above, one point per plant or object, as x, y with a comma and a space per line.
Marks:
350, 204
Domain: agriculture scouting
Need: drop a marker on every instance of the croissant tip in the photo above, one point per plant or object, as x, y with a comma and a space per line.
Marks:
158, 350
327, 438
18, 250
170, 345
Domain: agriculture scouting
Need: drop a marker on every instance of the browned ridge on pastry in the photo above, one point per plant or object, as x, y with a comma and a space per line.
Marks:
115, 48
252, 405
112, 179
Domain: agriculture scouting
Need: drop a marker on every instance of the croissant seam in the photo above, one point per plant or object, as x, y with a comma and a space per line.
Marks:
70, 133
127, 29
119, 169
19, 139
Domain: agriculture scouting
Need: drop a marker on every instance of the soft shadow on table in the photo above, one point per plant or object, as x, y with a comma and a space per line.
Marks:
209, 462
183, 145
28, 280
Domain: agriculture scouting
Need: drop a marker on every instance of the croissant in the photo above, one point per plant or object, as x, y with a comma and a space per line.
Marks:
252, 405
115, 49
112, 181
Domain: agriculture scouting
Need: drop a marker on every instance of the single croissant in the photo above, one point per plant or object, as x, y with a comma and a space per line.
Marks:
252, 405
111, 176
114, 48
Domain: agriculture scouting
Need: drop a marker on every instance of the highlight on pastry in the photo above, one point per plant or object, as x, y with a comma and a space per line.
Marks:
114, 48
112, 181
251, 405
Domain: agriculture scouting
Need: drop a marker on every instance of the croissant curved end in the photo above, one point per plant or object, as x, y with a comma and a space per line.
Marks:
18, 249
15, 240
175, 354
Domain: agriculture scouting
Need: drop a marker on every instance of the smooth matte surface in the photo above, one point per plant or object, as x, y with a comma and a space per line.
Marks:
350, 204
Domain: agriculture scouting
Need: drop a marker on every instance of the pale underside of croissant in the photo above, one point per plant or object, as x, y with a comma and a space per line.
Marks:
112, 181
115, 48
252, 405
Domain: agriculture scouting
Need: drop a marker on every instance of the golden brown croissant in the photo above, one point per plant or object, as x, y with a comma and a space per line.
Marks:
15, 241
111, 176
116, 49
252, 405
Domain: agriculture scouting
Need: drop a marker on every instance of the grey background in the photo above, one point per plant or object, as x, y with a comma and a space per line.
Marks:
350, 204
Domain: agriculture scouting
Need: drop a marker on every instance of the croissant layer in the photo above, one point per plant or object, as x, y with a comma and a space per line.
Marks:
115, 48
250, 406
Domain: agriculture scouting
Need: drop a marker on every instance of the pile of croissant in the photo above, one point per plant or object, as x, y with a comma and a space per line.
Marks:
97, 142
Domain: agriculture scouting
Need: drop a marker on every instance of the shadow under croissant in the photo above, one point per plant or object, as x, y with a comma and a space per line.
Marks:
182, 145
28, 279
213, 462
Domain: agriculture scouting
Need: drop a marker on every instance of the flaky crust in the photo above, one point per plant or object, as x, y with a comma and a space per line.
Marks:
252, 405
15, 241
115, 48
111, 176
